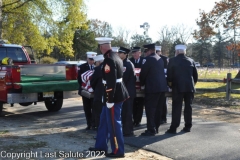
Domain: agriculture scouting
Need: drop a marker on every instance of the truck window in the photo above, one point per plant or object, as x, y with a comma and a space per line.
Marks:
3, 53
16, 54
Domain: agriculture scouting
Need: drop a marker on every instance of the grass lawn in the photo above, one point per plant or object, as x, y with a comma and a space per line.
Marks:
216, 73
217, 98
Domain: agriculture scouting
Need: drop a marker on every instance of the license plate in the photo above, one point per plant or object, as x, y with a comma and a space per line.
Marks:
48, 94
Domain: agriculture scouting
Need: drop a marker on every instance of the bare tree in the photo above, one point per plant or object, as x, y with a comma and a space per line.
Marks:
101, 28
121, 37
167, 36
182, 32
166, 39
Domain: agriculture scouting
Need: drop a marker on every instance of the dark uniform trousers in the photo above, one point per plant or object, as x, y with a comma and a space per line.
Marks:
153, 108
97, 109
177, 109
127, 120
164, 110
88, 109
138, 104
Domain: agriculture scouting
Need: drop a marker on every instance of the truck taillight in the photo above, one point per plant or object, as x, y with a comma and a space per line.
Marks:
16, 74
71, 72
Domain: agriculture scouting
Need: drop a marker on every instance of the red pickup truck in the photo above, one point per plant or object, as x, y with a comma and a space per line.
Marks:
27, 83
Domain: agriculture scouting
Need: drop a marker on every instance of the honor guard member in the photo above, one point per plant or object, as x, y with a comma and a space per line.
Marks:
138, 102
152, 76
165, 61
129, 79
115, 93
87, 103
182, 76
97, 86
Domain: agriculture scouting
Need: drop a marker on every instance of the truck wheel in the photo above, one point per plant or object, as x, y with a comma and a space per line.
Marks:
53, 105
25, 104
1, 109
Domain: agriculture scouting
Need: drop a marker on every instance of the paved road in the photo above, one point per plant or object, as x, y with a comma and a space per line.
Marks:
208, 140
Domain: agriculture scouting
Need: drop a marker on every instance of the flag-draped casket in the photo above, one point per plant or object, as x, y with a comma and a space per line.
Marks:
88, 91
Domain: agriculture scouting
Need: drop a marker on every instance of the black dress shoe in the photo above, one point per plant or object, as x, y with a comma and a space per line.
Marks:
148, 133
115, 155
88, 128
97, 150
171, 131
137, 124
186, 129
163, 122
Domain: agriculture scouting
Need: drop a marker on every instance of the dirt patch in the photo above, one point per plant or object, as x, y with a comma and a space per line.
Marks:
217, 109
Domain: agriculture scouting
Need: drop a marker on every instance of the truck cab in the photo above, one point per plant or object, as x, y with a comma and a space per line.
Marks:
17, 53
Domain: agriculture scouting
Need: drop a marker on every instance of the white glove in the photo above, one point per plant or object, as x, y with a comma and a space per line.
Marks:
142, 87
110, 105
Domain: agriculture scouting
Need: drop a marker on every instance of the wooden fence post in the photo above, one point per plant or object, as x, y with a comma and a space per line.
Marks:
228, 87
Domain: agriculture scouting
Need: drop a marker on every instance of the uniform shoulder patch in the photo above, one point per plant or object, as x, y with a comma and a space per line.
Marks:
144, 60
107, 68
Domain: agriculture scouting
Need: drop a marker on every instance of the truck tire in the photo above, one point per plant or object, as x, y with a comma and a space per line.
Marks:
1, 109
25, 104
53, 105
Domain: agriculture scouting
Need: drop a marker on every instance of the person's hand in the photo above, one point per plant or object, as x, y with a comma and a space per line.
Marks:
110, 105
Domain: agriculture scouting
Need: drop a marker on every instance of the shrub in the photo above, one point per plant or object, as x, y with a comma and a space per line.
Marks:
48, 60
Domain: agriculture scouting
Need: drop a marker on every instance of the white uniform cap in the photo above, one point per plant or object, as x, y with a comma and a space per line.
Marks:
180, 47
103, 40
158, 48
115, 49
91, 54
98, 58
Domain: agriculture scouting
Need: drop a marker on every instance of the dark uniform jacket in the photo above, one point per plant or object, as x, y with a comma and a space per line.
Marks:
111, 71
96, 83
137, 65
165, 61
152, 74
129, 77
82, 68
182, 73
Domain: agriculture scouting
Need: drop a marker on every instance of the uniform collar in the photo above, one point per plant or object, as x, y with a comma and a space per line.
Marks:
180, 55
151, 54
107, 53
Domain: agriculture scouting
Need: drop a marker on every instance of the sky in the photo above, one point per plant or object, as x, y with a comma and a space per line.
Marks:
130, 14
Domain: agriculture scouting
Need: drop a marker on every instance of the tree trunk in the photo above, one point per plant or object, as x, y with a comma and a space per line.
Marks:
1, 19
